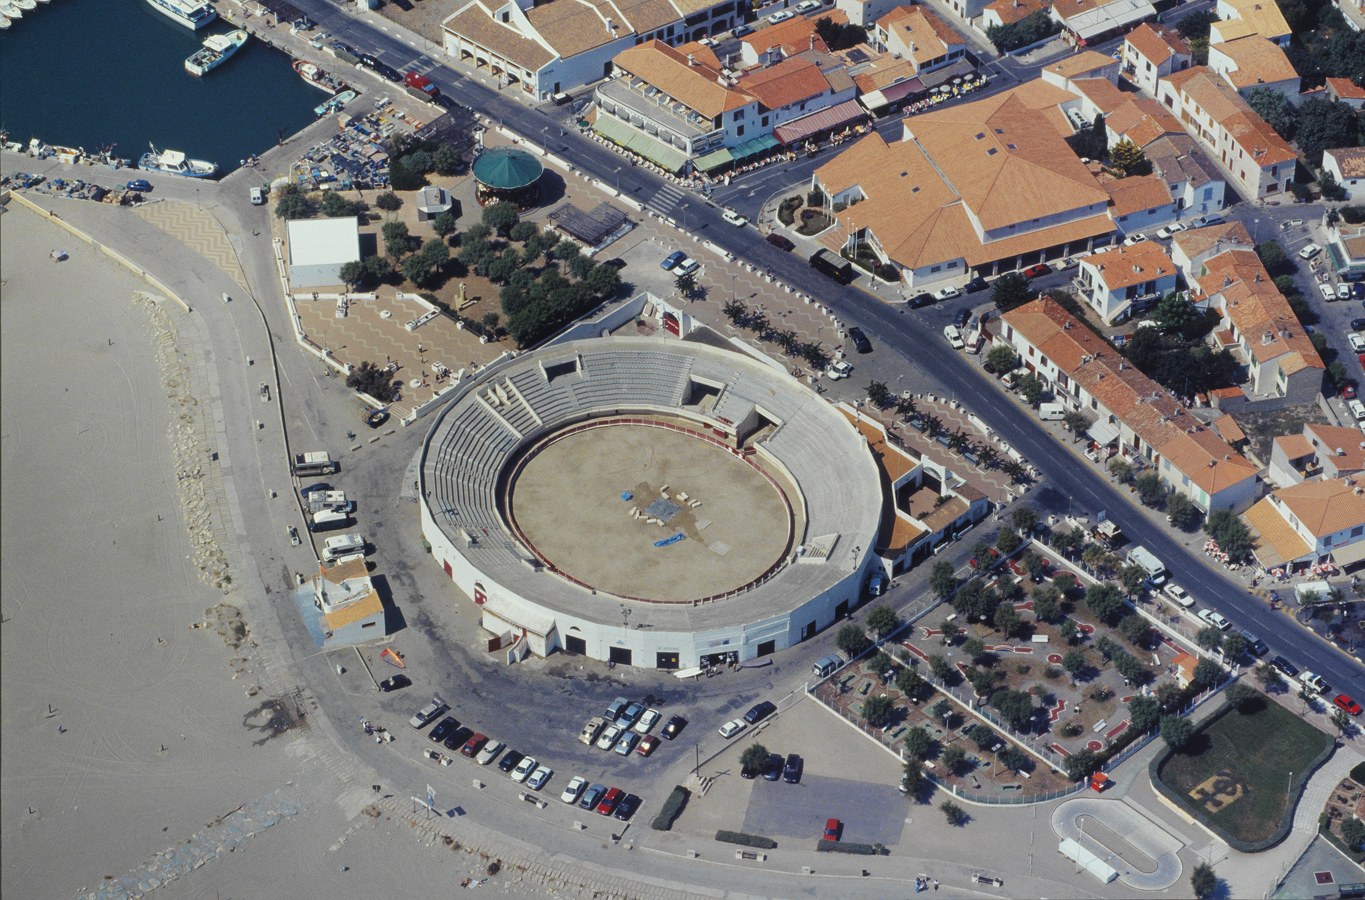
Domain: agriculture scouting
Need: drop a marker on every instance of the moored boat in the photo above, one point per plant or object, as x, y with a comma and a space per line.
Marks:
327, 107
194, 14
4, 22
314, 75
26, 5
176, 163
217, 49
10, 11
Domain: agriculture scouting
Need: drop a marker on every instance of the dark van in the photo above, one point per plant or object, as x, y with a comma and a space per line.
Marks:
835, 267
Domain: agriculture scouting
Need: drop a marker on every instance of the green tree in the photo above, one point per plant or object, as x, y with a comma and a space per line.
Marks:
1128, 158
1353, 832
912, 777
917, 743
910, 682
604, 280
980, 735
336, 206
1045, 604
851, 640
1275, 108
444, 224
1144, 714
882, 620
1234, 645
879, 394
1132, 579
1325, 123
1012, 758
1074, 663
1024, 518
1081, 764
293, 204
1077, 422
1012, 290
1008, 541
1120, 470
1029, 30
1181, 511
1104, 600
352, 274
943, 712
1330, 188
1231, 533
1176, 313
940, 667
388, 201
949, 629
1242, 695
1150, 489
1202, 880
942, 578
1209, 638
1207, 674
880, 663
1272, 255
877, 711
953, 813
1008, 621
445, 160
685, 284
755, 756
952, 758
1135, 629
1195, 25
500, 217
397, 241
1269, 676
975, 648
1176, 731
1015, 707
1068, 631
1002, 358
1131, 668
372, 380
1107, 647
1031, 388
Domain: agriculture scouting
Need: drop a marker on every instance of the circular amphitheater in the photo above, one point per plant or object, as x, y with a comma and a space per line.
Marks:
652, 502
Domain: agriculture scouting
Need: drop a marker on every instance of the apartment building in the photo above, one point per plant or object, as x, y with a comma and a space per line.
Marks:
1347, 165
1321, 451
1123, 282
1254, 62
1240, 18
915, 34
1310, 523
1151, 52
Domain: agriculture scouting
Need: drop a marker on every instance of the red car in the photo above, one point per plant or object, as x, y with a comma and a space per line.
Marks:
1341, 701
832, 830
610, 800
473, 745
647, 744
1038, 271
1348, 390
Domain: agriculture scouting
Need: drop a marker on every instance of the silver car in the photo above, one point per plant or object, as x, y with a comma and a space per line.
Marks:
607, 740
539, 777
489, 752
524, 769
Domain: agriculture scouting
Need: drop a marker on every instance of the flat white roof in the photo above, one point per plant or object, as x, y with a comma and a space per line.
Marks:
324, 242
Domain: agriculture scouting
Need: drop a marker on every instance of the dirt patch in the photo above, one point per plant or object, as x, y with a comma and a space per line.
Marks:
1261, 428
227, 620
273, 718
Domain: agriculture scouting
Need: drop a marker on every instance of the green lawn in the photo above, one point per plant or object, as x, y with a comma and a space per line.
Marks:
1237, 770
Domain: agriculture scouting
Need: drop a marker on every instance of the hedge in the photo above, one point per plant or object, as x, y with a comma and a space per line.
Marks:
747, 840
828, 846
672, 808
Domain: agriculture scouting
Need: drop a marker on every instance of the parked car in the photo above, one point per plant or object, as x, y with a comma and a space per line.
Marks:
591, 730
734, 218
947, 293
396, 683
1179, 594
673, 728
924, 298
1348, 390
140, 184
732, 728
976, 284
428, 712
1038, 271
781, 17
1343, 291
1343, 702
749, 772
791, 772
1255, 646
1328, 292
759, 712
1358, 290
607, 739
671, 260
443, 730
1357, 342
630, 715
539, 777
1286, 668
610, 800
473, 745
954, 337
832, 827
806, 6
456, 738
627, 743
773, 770
1310, 251
1206, 221
523, 769
1133, 239
614, 708
648, 719
489, 752
509, 761
647, 744
1214, 619
742, 31
774, 238
629, 803
838, 369
860, 341
687, 266
591, 796
573, 789
1171, 230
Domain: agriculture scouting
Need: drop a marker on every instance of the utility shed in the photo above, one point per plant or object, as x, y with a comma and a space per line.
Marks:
318, 248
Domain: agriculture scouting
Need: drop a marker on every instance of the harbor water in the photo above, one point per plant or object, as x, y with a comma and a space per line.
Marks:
96, 74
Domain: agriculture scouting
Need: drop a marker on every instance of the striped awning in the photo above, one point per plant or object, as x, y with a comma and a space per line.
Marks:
824, 120
650, 149
892, 94
761, 144
714, 160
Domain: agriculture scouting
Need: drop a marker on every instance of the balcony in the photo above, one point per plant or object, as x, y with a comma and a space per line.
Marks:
677, 125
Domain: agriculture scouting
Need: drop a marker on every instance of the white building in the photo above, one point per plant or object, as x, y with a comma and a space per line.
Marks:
318, 248
1123, 282
1309, 523
1347, 165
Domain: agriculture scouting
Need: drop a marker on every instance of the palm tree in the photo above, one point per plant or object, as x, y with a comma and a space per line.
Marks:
1092, 556
933, 425
988, 456
957, 441
906, 408
787, 340
1014, 469
758, 324
734, 310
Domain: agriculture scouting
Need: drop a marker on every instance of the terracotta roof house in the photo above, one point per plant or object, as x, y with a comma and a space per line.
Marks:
1123, 282
1086, 64
1007, 12
1260, 162
1258, 326
1310, 522
773, 42
351, 609
1191, 249
1321, 451
1243, 17
555, 46
1252, 62
1139, 202
1195, 184
914, 33
989, 185
1140, 120
1152, 51
1347, 165
1085, 373
1347, 91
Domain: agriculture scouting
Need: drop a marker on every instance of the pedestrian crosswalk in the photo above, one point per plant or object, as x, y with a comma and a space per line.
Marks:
665, 200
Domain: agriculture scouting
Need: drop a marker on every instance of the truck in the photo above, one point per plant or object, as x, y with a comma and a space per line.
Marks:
319, 501
420, 86
836, 267
342, 546
315, 462
1108, 534
1147, 561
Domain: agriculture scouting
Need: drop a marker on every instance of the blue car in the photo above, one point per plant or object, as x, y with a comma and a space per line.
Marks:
673, 259
140, 185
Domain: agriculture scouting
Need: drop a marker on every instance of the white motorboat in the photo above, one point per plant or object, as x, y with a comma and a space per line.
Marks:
194, 14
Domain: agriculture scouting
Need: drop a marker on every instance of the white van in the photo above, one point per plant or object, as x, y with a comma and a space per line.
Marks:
325, 519
334, 548
257, 197
1357, 409
1051, 412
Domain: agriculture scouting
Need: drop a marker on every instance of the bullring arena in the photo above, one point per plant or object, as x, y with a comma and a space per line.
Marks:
652, 502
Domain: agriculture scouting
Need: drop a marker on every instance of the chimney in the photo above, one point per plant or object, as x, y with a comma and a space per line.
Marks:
811, 43
691, 59
610, 28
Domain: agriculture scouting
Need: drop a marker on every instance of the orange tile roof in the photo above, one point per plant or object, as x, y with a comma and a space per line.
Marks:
1328, 439
1222, 102
1011, 11
1157, 43
1081, 63
366, 606
1295, 446
476, 23
1200, 240
1146, 408
1228, 429
1255, 307
1142, 120
924, 35
1257, 61
1065, 9
1263, 17
1350, 160
1137, 193
1273, 540
1346, 89
1102, 93
702, 54
884, 72
1121, 267
1324, 507
793, 35
790, 81
696, 85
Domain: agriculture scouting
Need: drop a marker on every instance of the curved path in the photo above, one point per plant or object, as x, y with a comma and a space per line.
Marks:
1145, 855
